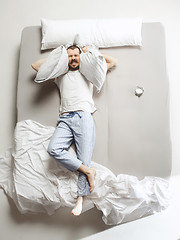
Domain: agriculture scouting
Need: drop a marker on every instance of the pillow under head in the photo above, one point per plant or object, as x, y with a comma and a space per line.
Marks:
101, 33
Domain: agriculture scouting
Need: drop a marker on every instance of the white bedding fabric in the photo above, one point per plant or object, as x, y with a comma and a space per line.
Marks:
37, 183
56, 64
92, 61
101, 33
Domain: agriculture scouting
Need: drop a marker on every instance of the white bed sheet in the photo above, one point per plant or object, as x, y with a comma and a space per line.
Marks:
37, 183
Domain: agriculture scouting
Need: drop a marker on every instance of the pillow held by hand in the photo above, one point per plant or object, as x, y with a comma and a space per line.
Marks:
94, 67
55, 65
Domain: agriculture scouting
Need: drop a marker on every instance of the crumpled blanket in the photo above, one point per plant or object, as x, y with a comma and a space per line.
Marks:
37, 183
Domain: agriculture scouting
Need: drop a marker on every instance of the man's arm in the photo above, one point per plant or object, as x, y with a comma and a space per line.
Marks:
36, 65
111, 61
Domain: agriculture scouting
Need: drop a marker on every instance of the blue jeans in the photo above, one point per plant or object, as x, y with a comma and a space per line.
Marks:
77, 127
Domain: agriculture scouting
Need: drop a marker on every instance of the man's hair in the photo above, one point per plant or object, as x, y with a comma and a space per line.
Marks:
74, 47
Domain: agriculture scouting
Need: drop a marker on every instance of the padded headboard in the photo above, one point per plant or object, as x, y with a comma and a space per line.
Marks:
133, 133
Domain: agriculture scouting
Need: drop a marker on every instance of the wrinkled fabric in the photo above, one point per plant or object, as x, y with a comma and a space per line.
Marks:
37, 183
92, 61
55, 65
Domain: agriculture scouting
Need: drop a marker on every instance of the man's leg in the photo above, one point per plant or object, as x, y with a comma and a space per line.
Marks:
84, 136
84, 139
84, 132
60, 143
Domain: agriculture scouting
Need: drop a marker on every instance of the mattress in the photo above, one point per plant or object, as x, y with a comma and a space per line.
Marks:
132, 132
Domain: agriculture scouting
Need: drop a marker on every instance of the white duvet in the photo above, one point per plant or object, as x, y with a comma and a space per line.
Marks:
37, 183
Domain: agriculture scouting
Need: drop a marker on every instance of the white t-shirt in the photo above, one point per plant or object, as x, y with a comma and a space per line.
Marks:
76, 92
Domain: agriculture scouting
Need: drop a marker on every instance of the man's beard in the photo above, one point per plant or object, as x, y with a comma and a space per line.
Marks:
73, 68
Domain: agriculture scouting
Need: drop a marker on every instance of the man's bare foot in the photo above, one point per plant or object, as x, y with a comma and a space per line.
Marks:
78, 207
91, 176
90, 173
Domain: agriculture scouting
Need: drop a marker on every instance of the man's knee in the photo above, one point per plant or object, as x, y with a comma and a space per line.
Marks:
53, 151
50, 150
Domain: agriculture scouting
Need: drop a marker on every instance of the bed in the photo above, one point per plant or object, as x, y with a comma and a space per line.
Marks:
137, 128
133, 145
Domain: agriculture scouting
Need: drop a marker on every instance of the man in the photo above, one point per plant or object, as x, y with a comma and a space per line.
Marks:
75, 124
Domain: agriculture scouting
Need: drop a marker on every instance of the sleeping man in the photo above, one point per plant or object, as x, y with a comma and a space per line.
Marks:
75, 123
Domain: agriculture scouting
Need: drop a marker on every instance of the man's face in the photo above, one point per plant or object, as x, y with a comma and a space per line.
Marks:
74, 57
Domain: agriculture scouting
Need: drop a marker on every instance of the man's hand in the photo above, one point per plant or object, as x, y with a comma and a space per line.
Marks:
36, 65
111, 61
84, 49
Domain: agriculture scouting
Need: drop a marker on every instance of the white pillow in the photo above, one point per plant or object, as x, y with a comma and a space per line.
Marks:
94, 67
55, 65
101, 32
